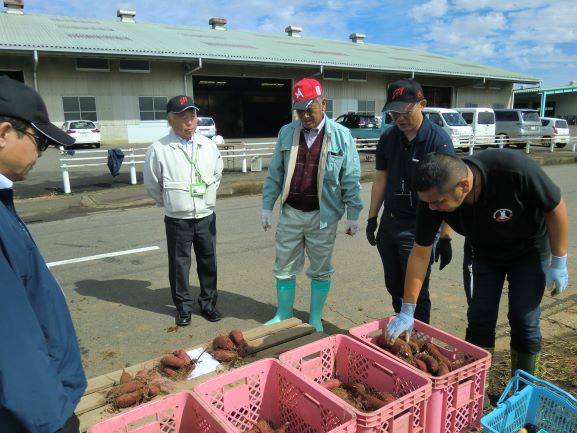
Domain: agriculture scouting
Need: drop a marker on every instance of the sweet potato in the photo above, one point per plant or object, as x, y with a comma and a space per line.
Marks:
415, 348
238, 339
126, 388
151, 391
264, 427
331, 383
142, 376
283, 428
172, 361
127, 400
420, 364
387, 397
432, 350
224, 355
443, 369
125, 377
432, 363
223, 342
181, 353
170, 372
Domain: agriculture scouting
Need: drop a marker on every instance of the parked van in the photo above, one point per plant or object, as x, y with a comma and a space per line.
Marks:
453, 123
517, 126
482, 121
554, 131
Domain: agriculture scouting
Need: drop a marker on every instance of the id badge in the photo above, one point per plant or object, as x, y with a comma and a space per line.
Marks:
197, 189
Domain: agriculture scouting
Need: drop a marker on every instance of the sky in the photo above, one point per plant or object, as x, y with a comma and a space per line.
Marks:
532, 37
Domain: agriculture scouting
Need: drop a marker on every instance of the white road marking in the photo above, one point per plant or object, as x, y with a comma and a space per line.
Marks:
102, 256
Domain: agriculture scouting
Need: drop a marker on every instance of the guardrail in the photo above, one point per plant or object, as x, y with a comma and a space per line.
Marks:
254, 152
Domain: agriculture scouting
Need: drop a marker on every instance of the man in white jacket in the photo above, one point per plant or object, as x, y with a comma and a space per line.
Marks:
182, 172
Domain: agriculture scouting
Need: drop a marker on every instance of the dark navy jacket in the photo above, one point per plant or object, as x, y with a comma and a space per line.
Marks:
41, 375
399, 158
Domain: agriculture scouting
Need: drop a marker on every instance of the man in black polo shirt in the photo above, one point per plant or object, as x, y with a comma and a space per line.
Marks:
400, 148
515, 225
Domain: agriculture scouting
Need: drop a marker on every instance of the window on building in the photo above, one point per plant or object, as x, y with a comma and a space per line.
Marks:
357, 76
471, 105
498, 106
92, 65
333, 75
79, 108
329, 110
366, 107
134, 66
152, 107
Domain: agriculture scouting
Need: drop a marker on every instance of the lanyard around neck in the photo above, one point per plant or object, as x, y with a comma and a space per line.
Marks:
192, 161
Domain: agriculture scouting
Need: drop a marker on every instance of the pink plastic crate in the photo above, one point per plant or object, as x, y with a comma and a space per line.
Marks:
352, 362
456, 403
269, 390
176, 413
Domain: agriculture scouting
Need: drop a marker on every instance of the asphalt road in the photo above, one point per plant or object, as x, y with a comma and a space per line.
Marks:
121, 305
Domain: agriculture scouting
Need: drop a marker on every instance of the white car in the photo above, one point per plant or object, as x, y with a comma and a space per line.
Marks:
206, 127
554, 131
84, 132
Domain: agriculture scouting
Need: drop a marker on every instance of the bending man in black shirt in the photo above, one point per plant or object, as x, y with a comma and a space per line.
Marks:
515, 225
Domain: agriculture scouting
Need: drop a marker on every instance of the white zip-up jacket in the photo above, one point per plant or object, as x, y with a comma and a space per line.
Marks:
168, 174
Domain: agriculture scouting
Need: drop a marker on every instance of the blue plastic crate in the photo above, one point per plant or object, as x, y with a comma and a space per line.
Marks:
528, 399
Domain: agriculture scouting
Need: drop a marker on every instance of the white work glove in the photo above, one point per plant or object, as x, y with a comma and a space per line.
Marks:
266, 219
403, 322
556, 275
352, 227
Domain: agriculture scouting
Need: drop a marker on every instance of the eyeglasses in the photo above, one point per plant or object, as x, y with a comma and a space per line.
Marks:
394, 115
41, 142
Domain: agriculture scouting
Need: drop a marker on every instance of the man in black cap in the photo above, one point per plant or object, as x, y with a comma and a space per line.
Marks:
41, 374
399, 149
182, 172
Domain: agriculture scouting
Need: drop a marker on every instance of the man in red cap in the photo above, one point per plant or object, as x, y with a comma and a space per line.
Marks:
41, 374
315, 171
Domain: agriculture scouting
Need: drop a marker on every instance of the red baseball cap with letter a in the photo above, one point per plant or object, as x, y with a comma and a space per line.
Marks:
305, 92
402, 95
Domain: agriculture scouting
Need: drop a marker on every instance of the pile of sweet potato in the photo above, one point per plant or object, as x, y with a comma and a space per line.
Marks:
229, 348
263, 426
358, 396
177, 365
424, 355
131, 391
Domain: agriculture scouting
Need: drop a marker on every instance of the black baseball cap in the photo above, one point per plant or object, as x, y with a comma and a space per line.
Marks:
402, 95
180, 103
19, 101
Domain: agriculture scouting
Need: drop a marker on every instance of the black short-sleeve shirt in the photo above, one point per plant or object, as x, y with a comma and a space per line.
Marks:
507, 221
399, 157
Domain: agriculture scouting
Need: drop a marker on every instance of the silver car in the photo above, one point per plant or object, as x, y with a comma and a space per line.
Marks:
206, 126
517, 127
554, 131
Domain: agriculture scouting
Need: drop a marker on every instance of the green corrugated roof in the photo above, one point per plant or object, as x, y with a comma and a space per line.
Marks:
557, 89
70, 35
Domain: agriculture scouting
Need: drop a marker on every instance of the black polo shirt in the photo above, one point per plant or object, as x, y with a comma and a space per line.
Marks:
507, 221
399, 157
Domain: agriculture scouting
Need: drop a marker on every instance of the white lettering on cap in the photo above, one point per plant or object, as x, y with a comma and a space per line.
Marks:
318, 89
299, 93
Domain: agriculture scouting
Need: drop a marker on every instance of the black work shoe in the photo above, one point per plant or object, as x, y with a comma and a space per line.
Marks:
212, 315
183, 318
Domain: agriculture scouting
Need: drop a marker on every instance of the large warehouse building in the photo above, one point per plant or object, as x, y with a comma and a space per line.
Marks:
121, 72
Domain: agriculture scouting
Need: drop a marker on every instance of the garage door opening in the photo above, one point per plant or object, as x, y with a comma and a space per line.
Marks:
244, 107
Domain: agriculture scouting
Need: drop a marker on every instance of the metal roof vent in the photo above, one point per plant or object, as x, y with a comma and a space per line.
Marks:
217, 23
126, 15
14, 6
293, 31
572, 83
357, 38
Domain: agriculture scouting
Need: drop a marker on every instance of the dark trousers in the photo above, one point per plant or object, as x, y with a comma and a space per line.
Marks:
395, 239
181, 236
484, 286
71, 426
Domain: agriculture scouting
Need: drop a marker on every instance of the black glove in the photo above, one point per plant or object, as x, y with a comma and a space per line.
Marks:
371, 227
444, 251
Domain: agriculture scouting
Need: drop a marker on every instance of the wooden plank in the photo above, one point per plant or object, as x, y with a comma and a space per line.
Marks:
108, 380
102, 412
94, 402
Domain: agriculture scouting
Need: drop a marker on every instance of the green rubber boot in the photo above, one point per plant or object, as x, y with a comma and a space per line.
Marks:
319, 292
524, 361
285, 292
